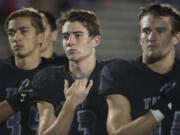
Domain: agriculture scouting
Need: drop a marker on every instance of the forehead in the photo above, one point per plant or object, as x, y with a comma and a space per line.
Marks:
20, 22
155, 21
69, 27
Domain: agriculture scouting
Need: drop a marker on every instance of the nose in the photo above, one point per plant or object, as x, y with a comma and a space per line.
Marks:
152, 36
17, 36
71, 40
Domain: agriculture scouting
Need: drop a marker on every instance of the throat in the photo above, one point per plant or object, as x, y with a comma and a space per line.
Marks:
81, 70
27, 64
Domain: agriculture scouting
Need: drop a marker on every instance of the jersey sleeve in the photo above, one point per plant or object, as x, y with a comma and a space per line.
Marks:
4, 69
44, 88
111, 77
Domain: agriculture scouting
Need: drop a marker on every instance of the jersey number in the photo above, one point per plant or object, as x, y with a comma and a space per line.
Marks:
86, 122
175, 130
14, 125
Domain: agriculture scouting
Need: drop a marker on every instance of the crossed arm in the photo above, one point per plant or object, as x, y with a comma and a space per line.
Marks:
74, 95
6, 111
49, 124
13, 104
119, 118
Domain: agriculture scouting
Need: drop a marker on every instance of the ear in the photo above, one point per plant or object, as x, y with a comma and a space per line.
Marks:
40, 38
96, 40
176, 38
54, 35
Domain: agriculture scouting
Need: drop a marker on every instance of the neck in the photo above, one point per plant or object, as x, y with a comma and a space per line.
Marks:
28, 62
82, 68
162, 66
48, 52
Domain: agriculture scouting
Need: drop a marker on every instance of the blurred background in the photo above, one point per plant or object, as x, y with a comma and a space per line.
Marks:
118, 21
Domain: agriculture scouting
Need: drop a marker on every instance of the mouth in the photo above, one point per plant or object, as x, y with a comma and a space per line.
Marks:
71, 51
18, 46
152, 46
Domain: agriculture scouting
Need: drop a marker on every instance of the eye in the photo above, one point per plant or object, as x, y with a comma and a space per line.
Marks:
11, 33
66, 37
77, 35
24, 31
160, 31
146, 31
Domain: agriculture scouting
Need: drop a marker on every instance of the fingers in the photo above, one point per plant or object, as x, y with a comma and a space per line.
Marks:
83, 83
66, 85
78, 91
89, 85
80, 83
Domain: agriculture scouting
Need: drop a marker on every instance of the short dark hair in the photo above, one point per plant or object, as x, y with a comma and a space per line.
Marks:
159, 9
33, 14
86, 17
50, 18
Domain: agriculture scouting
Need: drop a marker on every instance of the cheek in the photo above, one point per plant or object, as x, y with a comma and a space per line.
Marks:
143, 37
33, 43
142, 41
64, 44
10, 40
167, 42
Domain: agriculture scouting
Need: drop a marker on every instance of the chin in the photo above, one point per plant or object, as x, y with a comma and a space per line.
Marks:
74, 59
152, 59
20, 55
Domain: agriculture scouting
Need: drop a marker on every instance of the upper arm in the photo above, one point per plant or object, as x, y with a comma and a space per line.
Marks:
47, 117
119, 112
6, 111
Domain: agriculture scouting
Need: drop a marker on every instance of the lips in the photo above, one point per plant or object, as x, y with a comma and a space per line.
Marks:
152, 46
18, 46
71, 51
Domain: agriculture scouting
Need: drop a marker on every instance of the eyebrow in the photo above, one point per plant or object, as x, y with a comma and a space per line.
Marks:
159, 27
23, 27
76, 32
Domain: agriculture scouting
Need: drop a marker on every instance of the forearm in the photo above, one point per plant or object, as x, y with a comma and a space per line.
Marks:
6, 111
63, 122
143, 125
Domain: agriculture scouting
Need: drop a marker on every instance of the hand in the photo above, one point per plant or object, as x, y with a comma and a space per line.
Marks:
169, 95
21, 98
77, 92
173, 93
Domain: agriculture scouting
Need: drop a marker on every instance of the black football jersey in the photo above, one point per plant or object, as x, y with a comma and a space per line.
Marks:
141, 86
90, 116
24, 122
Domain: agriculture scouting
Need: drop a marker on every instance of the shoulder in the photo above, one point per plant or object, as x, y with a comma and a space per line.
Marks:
177, 66
46, 76
48, 84
48, 72
120, 66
